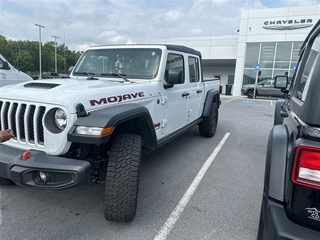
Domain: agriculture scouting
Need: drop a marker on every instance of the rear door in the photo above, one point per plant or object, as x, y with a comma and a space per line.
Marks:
195, 88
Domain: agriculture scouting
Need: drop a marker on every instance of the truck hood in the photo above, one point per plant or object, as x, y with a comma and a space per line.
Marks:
93, 94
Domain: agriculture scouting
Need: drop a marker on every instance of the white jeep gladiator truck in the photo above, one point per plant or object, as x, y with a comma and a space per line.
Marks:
119, 103
10, 75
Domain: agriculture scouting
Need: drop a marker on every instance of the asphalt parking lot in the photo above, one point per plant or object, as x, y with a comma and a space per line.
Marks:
191, 188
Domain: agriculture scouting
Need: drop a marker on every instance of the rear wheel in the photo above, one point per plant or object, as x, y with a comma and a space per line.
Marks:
5, 182
208, 126
122, 178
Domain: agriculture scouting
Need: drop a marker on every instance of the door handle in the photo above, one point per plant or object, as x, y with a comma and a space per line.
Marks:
199, 91
185, 94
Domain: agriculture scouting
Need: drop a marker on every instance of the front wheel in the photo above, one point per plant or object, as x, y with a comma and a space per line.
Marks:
122, 178
250, 93
208, 126
6, 182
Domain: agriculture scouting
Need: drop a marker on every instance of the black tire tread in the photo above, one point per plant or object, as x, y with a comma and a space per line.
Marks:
208, 126
122, 178
6, 182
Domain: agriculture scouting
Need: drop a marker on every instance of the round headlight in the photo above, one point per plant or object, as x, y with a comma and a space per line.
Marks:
60, 118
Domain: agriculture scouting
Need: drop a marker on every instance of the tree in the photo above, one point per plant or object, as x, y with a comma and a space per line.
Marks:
25, 55
23, 60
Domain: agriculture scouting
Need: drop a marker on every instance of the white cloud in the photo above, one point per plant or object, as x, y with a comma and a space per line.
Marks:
292, 3
98, 22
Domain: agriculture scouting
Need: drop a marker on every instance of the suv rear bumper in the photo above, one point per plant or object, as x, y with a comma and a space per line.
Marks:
57, 172
279, 226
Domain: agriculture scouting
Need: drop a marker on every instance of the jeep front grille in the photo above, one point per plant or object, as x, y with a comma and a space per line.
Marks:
25, 120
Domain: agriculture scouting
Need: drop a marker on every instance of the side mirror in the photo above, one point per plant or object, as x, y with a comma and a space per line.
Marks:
6, 65
70, 69
281, 82
175, 76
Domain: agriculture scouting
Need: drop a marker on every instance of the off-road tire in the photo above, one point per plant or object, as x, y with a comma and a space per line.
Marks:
208, 126
6, 182
122, 178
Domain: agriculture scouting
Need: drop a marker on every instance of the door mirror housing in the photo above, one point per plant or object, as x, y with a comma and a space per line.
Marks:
70, 69
281, 82
175, 76
6, 65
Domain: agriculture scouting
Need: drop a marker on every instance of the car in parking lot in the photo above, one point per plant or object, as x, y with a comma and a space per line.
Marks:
48, 75
264, 88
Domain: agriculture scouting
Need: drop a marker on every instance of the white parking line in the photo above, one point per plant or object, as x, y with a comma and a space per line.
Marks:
230, 100
173, 218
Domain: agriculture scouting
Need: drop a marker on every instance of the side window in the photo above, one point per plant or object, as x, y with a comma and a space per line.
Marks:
193, 69
303, 84
269, 83
176, 62
1, 63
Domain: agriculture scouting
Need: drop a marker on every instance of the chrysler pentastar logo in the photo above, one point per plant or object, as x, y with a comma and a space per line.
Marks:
287, 24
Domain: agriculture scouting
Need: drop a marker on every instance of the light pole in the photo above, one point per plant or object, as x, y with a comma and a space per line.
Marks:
40, 26
55, 53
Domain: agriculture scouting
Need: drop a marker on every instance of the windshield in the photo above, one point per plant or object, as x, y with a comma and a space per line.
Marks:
130, 63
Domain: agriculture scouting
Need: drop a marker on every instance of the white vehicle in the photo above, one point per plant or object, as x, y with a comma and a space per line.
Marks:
11, 75
120, 102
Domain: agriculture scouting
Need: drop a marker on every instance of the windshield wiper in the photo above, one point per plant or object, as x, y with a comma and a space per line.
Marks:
91, 77
120, 75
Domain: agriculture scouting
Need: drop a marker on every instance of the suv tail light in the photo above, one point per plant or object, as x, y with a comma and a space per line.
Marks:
306, 167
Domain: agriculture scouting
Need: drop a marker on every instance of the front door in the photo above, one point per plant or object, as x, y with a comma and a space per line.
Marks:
174, 99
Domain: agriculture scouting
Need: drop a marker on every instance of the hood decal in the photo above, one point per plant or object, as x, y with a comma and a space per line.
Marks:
118, 98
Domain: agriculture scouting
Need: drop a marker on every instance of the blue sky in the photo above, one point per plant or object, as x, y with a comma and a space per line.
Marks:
80, 23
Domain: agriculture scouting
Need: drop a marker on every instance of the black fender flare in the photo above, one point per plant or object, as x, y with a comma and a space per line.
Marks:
275, 167
114, 116
278, 119
212, 96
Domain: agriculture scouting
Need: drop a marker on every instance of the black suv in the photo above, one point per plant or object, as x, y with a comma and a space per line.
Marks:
291, 196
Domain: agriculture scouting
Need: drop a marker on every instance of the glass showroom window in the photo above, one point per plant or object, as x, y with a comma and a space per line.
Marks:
294, 57
283, 55
252, 55
249, 76
267, 55
274, 59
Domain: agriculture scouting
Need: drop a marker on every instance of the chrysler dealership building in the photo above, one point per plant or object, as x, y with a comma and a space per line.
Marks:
267, 45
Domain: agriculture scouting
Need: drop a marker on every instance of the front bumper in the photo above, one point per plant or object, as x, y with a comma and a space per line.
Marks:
279, 226
58, 172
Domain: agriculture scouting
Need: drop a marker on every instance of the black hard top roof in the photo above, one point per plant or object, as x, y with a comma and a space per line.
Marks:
179, 48
183, 49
